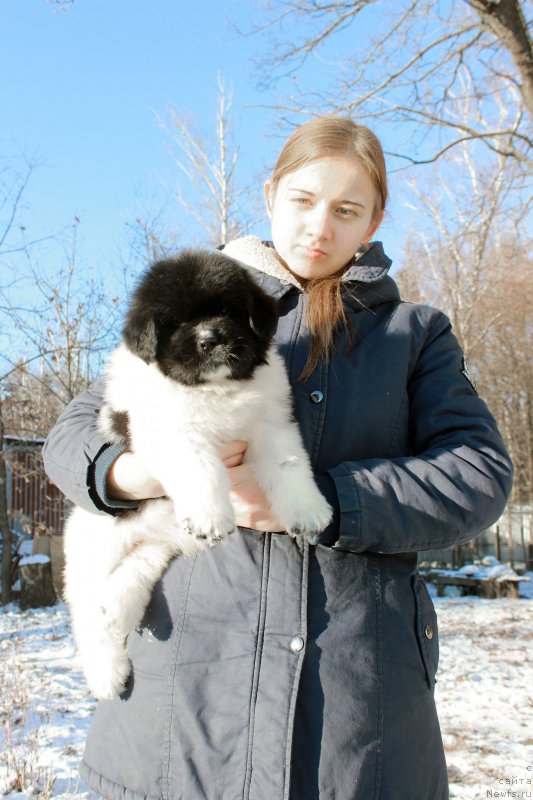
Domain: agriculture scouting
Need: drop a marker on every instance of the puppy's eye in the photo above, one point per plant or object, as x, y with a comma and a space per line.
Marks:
224, 311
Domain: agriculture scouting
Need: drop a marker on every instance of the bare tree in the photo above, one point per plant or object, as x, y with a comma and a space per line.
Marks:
150, 239
13, 184
60, 327
466, 211
506, 21
211, 194
65, 329
469, 255
503, 359
469, 211
420, 62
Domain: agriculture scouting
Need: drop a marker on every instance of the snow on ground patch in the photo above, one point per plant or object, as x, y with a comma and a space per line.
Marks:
484, 695
45, 707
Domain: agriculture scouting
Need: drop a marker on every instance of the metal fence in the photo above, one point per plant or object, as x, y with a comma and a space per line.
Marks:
510, 540
35, 505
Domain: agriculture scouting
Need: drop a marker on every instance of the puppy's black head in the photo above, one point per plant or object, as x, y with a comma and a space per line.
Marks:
201, 318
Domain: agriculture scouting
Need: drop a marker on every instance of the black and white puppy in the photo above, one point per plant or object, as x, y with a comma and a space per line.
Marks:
197, 368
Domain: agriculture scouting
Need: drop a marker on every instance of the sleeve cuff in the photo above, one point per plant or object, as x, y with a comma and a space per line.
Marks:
350, 515
327, 487
97, 480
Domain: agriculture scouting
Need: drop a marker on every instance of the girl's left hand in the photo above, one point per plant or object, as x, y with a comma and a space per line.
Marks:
251, 506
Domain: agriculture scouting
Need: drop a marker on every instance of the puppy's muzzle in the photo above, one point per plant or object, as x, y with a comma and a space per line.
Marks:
208, 339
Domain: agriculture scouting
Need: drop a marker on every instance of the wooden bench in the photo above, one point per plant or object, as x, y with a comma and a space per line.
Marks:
480, 587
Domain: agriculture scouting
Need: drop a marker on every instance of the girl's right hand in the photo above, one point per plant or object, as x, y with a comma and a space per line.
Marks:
128, 480
250, 504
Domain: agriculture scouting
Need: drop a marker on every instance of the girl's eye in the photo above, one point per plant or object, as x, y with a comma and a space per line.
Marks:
346, 212
301, 201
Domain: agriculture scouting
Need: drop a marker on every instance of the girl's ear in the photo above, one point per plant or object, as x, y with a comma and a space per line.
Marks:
373, 227
268, 198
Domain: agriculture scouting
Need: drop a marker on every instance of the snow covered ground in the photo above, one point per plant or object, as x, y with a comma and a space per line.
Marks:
484, 695
44, 705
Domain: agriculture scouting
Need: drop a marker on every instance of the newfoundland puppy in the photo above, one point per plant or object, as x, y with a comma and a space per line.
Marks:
197, 368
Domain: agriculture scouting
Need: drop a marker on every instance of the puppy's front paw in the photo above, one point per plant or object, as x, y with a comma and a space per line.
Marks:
309, 516
211, 526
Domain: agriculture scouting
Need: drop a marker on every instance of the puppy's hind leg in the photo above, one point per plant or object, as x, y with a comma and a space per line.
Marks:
92, 549
104, 657
155, 539
123, 599
102, 627
126, 592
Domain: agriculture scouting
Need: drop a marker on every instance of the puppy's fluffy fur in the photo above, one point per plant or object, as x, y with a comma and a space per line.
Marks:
197, 368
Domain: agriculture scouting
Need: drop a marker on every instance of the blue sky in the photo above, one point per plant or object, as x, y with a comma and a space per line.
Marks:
82, 89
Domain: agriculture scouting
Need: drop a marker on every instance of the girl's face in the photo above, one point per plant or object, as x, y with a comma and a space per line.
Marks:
320, 214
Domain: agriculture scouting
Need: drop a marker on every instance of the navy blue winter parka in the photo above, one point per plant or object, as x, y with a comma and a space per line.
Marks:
270, 668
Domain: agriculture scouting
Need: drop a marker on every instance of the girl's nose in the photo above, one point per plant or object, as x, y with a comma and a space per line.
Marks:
319, 223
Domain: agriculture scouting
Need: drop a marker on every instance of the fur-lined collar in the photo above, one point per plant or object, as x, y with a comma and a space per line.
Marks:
253, 252
369, 263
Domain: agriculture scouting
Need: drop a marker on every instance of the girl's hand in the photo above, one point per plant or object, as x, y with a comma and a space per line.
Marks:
128, 480
252, 509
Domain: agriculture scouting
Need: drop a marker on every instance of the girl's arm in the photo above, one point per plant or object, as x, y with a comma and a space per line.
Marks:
77, 457
455, 484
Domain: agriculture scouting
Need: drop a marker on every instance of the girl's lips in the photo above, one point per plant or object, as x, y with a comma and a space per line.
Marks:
314, 252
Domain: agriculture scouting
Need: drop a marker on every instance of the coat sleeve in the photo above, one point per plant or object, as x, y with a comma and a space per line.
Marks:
455, 483
77, 457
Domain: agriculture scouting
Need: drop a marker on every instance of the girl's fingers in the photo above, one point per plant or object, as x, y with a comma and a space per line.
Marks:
232, 453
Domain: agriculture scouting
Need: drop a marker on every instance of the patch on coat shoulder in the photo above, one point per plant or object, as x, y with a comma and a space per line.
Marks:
464, 370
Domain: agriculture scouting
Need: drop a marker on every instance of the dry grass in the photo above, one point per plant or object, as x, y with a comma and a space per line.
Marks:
21, 729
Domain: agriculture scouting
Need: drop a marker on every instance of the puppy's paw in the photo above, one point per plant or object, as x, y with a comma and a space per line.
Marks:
186, 544
309, 516
211, 526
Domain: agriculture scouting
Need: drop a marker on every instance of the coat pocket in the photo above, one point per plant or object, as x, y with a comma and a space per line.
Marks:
427, 632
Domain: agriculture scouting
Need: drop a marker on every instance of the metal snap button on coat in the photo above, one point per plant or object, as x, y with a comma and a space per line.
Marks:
428, 632
316, 396
296, 644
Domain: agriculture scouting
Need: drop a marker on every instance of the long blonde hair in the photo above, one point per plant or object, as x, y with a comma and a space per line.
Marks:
325, 137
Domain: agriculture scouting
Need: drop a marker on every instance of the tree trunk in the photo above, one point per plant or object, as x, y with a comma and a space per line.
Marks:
505, 20
4, 522
36, 587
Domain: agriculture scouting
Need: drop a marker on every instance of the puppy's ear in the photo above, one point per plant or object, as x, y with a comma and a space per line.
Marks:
264, 314
140, 333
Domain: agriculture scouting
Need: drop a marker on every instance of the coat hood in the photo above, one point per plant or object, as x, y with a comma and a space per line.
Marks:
366, 279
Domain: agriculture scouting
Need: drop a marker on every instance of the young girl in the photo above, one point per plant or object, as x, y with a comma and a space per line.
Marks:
271, 667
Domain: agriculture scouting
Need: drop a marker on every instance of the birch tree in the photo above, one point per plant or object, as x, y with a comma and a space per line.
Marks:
207, 186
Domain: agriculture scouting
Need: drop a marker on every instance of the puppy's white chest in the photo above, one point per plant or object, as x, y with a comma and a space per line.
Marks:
159, 409
226, 416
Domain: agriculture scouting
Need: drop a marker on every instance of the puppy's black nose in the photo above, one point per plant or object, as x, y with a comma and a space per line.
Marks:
207, 340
